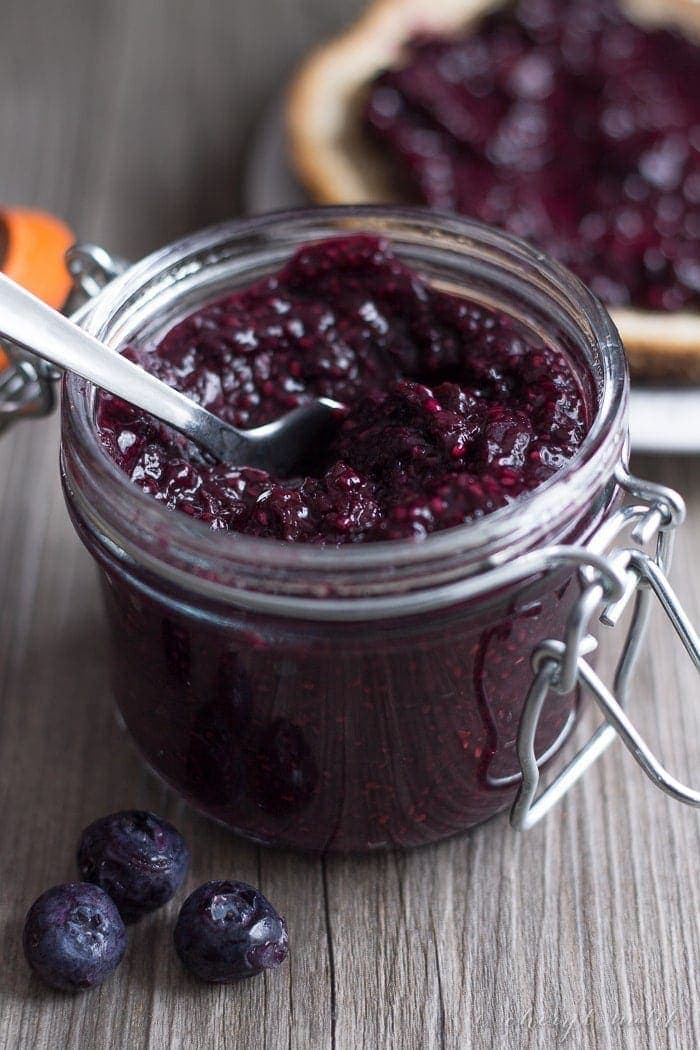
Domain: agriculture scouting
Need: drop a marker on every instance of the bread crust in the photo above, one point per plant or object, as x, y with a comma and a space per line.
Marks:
329, 155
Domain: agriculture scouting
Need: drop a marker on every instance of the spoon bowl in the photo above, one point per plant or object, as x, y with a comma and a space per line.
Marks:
281, 447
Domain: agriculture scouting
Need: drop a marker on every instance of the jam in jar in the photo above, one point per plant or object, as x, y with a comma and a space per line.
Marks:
332, 661
453, 409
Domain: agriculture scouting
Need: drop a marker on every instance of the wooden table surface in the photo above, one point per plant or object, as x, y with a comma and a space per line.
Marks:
131, 118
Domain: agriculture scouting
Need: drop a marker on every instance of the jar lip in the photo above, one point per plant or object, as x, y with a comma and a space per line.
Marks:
597, 456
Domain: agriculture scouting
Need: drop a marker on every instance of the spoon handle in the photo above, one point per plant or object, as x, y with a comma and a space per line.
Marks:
27, 321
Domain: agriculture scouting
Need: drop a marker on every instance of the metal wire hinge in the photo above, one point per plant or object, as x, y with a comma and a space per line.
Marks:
611, 579
27, 384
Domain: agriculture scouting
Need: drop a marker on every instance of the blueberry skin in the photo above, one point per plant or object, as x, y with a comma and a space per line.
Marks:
137, 858
74, 936
227, 931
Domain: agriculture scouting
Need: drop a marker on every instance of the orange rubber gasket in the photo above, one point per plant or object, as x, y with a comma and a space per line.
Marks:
35, 243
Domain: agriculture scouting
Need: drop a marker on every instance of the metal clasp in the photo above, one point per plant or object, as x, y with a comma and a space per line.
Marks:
92, 268
560, 665
26, 387
27, 384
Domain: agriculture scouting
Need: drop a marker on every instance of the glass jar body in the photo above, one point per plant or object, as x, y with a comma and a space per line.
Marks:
336, 736
350, 699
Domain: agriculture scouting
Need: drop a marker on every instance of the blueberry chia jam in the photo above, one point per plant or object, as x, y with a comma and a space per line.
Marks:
565, 123
453, 410
328, 662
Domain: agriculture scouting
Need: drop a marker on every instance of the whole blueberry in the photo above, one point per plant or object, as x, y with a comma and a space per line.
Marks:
227, 930
74, 936
137, 858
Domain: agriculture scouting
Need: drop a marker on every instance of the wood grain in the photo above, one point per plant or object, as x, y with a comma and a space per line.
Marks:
130, 119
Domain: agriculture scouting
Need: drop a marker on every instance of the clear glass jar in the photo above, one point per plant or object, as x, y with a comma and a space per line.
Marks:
352, 698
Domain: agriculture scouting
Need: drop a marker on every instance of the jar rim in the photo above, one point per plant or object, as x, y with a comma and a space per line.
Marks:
116, 503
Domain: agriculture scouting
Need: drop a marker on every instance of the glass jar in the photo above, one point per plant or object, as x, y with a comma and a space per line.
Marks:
362, 697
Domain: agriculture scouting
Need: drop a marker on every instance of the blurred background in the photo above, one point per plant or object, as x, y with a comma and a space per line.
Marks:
131, 118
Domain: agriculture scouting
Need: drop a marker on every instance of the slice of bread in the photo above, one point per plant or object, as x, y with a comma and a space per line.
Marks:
331, 156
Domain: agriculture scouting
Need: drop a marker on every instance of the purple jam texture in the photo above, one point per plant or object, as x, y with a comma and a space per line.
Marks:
567, 125
351, 736
452, 410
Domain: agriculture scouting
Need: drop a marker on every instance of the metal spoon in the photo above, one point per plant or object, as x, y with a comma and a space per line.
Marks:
279, 447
